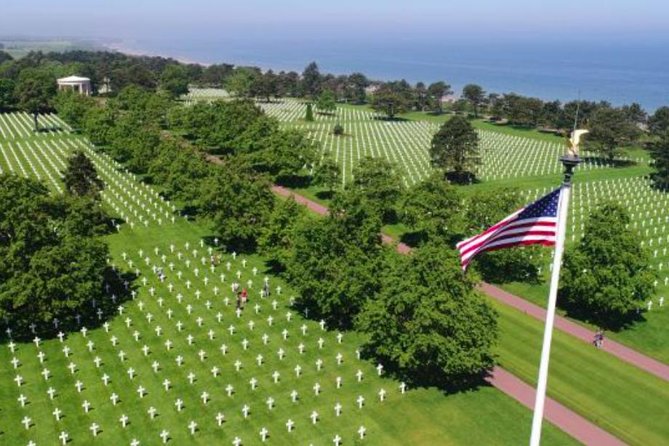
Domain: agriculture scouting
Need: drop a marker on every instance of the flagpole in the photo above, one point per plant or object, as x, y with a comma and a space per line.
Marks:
569, 163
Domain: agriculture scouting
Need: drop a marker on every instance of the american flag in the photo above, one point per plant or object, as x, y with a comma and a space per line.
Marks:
534, 224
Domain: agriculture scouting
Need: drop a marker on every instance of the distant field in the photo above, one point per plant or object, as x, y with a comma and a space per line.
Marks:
19, 48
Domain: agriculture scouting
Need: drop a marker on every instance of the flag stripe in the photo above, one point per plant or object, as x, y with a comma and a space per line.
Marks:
534, 224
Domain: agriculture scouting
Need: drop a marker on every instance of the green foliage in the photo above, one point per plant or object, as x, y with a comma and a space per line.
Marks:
309, 117
179, 171
80, 176
475, 95
174, 79
659, 151
266, 85
428, 323
326, 102
311, 81
35, 91
327, 174
97, 124
455, 149
379, 181
284, 155
608, 276
72, 108
240, 83
436, 91
354, 90
237, 204
609, 131
338, 130
658, 123
432, 208
277, 237
335, 262
49, 265
390, 101
7, 98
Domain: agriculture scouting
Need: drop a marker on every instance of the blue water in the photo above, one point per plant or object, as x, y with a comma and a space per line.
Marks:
617, 72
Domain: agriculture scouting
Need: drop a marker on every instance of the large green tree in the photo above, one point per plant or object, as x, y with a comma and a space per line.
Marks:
432, 209
50, 266
336, 261
389, 101
35, 92
327, 174
455, 149
326, 102
428, 323
607, 277
277, 237
437, 90
475, 95
659, 151
7, 98
658, 123
72, 108
81, 177
311, 81
380, 182
174, 80
610, 130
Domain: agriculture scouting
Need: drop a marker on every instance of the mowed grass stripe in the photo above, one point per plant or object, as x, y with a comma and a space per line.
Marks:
619, 397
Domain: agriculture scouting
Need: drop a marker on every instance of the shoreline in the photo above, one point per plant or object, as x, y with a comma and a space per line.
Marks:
124, 49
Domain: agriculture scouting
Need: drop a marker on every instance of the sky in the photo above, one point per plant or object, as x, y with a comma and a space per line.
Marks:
339, 19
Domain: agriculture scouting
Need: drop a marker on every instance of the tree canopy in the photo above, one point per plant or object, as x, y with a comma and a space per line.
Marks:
50, 265
427, 323
81, 177
610, 129
607, 277
475, 95
379, 181
455, 149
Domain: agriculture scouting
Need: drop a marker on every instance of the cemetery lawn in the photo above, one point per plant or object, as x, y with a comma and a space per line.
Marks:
421, 416
619, 397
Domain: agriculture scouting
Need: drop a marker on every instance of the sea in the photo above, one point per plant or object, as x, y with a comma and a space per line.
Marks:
617, 71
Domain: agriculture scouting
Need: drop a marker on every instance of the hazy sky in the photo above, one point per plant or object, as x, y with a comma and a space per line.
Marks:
574, 19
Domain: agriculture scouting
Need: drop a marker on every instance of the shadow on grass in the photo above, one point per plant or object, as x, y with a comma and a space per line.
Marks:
602, 160
611, 322
118, 288
390, 119
325, 194
427, 378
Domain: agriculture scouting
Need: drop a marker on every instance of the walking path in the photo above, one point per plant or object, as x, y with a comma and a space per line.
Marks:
618, 350
567, 420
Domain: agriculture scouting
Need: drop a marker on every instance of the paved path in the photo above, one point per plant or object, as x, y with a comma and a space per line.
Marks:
618, 350
562, 417
567, 420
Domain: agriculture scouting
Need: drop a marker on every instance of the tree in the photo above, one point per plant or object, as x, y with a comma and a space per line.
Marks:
72, 108
309, 117
428, 323
327, 174
475, 95
174, 79
240, 83
455, 149
5, 56
238, 206
607, 277
355, 88
335, 261
266, 85
50, 266
658, 123
311, 81
609, 131
326, 102
390, 102
659, 151
81, 177
7, 99
34, 92
378, 180
437, 91
276, 239
432, 209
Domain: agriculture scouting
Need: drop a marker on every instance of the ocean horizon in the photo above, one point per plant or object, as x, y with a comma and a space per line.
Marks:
620, 73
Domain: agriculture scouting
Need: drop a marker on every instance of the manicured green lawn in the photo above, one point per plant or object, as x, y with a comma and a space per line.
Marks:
619, 397
421, 416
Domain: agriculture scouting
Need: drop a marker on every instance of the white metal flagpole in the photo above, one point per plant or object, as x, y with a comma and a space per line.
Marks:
569, 163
